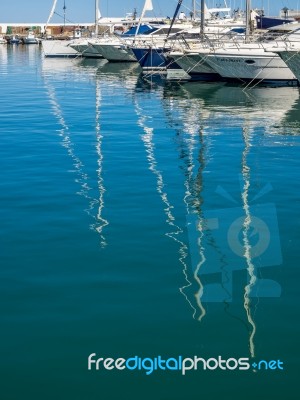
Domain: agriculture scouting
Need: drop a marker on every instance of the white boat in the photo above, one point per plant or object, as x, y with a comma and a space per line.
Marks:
30, 38
248, 63
116, 51
3, 40
292, 60
194, 64
85, 48
290, 52
59, 48
239, 60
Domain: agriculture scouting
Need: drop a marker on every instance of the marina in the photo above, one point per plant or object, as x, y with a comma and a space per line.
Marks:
150, 212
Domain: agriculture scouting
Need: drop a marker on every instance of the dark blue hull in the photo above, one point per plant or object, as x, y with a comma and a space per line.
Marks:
154, 59
269, 22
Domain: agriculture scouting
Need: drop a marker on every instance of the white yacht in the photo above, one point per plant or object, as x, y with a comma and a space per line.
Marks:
248, 63
290, 52
85, 48
59, 48
292, 59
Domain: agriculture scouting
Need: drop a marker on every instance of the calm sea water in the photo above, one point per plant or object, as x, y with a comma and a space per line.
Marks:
140, 218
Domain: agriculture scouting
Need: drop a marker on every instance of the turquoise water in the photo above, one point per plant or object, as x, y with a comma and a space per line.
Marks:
145, 219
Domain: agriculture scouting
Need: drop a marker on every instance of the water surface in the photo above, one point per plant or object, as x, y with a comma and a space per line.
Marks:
117, 196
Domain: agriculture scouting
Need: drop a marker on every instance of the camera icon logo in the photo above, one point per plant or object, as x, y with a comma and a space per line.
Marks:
232, 239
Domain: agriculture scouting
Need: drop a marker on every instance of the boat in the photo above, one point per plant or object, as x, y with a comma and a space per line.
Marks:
118, 48
263, 22
14, 39
251, 63
61, 47
157, 56
292, 60
85, 48
30, 38
3, 40
245, 60
290, 52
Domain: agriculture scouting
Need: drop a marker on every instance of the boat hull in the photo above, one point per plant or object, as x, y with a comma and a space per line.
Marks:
292, 60
86, 50
154, 59
245, 66
59, 48
116, 52
195, 66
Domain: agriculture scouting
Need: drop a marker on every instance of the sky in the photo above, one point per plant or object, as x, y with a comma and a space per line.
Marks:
83, 10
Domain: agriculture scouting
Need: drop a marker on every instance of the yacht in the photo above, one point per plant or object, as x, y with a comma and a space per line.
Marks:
290, 52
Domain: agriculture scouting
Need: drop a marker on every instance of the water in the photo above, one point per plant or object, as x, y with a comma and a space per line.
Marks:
117, 196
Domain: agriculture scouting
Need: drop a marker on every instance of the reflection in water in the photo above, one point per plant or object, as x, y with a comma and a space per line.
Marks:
176, 232
246, 175
101, 222
4, 60
197, 112
194, 196
195, 149
63, 66
276, 109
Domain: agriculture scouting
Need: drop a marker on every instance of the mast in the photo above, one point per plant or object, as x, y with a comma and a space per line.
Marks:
248, 16
96, 17
194, 9
147, 7
64, 8
174, 17
51, 14
202, 23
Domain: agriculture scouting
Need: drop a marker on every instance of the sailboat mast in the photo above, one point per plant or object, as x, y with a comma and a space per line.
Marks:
64, 8
51, 14
202, 22
194, 9
96, 17
248, 18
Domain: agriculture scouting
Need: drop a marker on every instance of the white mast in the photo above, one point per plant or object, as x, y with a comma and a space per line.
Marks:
51, 13
147, 7
202, 23
96, 16
248, 18
194, 9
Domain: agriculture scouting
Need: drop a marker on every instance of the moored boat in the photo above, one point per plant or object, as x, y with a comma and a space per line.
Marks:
30, 38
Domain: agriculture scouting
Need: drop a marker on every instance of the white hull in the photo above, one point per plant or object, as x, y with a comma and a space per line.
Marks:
86, 50
116, 52
59, 48
249, 64
192, 63
292, 60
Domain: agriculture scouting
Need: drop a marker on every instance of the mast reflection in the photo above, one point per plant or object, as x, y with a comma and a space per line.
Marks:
59, 69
